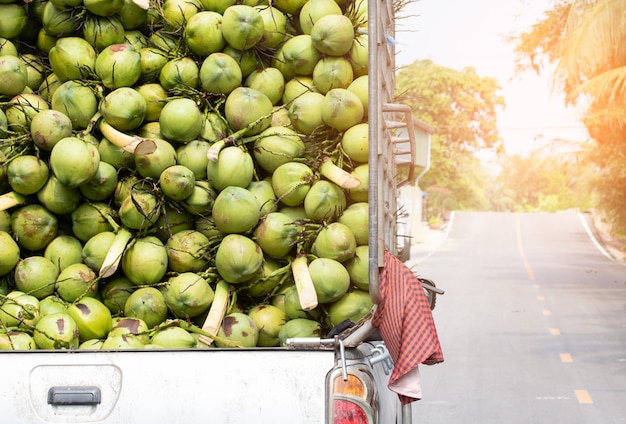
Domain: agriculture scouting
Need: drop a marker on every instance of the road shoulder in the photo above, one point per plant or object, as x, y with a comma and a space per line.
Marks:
613, 245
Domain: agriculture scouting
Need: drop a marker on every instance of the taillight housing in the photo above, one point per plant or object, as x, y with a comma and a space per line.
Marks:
351, 400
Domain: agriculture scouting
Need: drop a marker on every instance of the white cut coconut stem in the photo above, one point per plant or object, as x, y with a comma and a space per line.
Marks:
132, 144
304, 283
337, 175
144, 4
214, 151
115, 252
216, 314
8, 200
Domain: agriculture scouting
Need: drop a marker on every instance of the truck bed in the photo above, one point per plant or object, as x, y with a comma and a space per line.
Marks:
166, 386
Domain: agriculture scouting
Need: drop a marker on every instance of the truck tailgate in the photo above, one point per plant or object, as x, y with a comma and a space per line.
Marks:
165, 386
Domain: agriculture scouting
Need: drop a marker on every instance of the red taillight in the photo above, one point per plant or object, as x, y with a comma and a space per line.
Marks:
351, 400
346, 412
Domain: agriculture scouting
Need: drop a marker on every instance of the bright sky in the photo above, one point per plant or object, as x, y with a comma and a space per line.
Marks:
461, 33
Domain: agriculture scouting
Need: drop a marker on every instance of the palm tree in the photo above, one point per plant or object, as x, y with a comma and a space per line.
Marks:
585, 42
592, 60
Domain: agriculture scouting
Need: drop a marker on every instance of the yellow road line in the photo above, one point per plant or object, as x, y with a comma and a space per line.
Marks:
566, 357
583, 396
547, 312
529, 270
541, 298
555, 331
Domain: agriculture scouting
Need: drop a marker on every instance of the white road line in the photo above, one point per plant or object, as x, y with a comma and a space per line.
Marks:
593, 239
552, 398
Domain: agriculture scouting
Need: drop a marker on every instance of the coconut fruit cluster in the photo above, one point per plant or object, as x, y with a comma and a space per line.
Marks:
181, 173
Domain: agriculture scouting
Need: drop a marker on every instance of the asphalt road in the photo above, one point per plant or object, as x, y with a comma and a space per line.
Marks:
532, 324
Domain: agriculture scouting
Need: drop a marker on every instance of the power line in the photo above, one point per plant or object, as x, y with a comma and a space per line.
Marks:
543, 127
525, 128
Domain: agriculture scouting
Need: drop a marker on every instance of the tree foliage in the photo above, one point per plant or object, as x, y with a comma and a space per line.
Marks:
585, 42
461, 107
541, 45
550, 179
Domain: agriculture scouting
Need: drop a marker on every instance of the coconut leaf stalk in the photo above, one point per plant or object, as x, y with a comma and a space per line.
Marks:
144, 4
14, 144
338, 175
323, 153
204, 335
115, 252
132, 144
216, 313
238, 137
283, 272
11, 199
304, 282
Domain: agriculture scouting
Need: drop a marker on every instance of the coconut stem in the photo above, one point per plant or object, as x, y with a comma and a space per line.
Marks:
144, 4
215, 149
216, 314
8, 200
337, 175
132, 144
203, 334
115, 252
304, 283
92, 124
234, 138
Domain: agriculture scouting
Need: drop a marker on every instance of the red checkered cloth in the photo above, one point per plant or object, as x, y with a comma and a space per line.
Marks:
405, 322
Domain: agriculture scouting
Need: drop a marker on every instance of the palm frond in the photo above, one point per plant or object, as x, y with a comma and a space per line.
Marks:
593, 41
608, 86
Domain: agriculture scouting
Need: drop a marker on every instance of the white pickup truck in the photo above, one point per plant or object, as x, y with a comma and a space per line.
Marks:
339, 379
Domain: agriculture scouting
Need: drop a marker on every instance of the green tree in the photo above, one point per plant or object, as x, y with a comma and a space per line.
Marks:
461, 107
584, 42
548, 179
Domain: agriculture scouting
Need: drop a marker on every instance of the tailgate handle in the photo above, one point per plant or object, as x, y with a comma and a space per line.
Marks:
74, 395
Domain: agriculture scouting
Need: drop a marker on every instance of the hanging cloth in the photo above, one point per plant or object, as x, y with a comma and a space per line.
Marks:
405, 322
